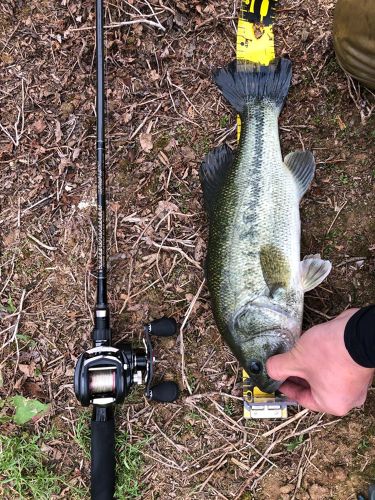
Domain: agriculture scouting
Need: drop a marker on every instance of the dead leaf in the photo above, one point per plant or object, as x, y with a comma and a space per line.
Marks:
32, 390
39, 126
188, 153
166, 206
27, 370
76, 153
341, 123
126, 117
145, 141
154, 75
199, 249
58, 133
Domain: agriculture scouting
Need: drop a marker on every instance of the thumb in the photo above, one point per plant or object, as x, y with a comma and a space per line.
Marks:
283, 366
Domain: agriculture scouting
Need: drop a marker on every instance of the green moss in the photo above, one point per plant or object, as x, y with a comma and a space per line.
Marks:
161, 142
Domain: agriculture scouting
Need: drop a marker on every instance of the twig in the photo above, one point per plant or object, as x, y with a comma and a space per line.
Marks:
299, 415
16, 326
338, 213
320, 313
40, 243
352, 259
175, 249
20, 117
123, 23
182, 350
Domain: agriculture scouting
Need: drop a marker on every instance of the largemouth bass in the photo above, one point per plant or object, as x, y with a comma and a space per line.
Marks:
254, 273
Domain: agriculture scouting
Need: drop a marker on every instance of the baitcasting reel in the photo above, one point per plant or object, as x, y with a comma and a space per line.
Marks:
104, 375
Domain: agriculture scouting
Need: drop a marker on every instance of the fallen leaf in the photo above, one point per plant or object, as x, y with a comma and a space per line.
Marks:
166, 206
76, 153
39, 126
188, 153
27, 409
27, 370
199, 250
145, 141
126, 117
154, 75
58, 133
32, 389
341, 123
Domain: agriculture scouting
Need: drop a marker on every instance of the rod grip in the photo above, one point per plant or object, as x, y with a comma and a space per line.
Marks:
163, 327
102, 454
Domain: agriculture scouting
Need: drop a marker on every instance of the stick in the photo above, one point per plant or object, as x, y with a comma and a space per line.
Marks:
182, 350
284, 424
122, 23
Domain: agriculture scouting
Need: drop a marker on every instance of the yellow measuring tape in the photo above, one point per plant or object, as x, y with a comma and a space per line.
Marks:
255, 39
255, 44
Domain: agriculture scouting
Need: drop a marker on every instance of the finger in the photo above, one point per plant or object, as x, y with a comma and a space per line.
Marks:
299, 381
300, 394
282, 366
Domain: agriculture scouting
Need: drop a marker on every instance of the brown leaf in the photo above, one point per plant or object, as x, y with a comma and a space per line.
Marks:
58, 133
76, 153
199, 250
145, 141
188, 153
126, 117
166, 206
39, 126
32, 390
154, 75
27, 370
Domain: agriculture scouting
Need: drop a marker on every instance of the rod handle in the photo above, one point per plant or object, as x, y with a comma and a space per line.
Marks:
165, 392
103, 461
163, 327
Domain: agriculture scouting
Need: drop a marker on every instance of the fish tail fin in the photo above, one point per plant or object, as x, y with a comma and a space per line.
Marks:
244, 85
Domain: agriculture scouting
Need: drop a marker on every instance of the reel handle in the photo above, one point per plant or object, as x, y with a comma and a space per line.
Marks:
165, 392
103, 461
163, 327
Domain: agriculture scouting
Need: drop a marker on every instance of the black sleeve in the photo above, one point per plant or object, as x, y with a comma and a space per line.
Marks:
359, 337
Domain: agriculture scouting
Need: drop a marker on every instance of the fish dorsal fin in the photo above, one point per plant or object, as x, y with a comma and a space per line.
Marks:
302, 166
313, 271
213, 171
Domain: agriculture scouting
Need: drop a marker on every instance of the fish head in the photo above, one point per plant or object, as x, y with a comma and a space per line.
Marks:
256, 352
263, 330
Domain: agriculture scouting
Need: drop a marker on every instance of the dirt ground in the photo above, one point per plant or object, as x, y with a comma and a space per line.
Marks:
164, 114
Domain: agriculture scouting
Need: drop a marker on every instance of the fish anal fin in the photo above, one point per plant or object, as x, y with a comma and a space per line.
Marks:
275, 268
302, 165
213, 172
313, 271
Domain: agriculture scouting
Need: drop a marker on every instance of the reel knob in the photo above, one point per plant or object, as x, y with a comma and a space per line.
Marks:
165, 392
163, 327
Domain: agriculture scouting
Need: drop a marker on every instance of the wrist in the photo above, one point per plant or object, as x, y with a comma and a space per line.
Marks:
359, 337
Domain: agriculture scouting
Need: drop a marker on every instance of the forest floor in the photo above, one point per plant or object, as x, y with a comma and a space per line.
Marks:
164, 114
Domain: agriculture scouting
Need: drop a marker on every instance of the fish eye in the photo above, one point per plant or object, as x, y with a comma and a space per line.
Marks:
255, 367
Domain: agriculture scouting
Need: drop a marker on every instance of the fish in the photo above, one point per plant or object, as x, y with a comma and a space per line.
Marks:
254, 272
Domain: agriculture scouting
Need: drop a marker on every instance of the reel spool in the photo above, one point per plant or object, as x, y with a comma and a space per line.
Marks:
104, 375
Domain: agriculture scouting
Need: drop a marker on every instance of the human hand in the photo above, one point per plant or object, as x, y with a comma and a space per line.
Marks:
319, 373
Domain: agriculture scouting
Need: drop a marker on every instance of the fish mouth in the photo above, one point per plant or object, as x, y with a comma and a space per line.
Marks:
268, 385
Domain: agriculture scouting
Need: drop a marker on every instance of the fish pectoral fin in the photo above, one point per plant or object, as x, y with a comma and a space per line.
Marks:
313, 271
213, 171
302, 165
275, 268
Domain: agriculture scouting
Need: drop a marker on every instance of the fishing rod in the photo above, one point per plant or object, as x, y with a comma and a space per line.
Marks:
105, 374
